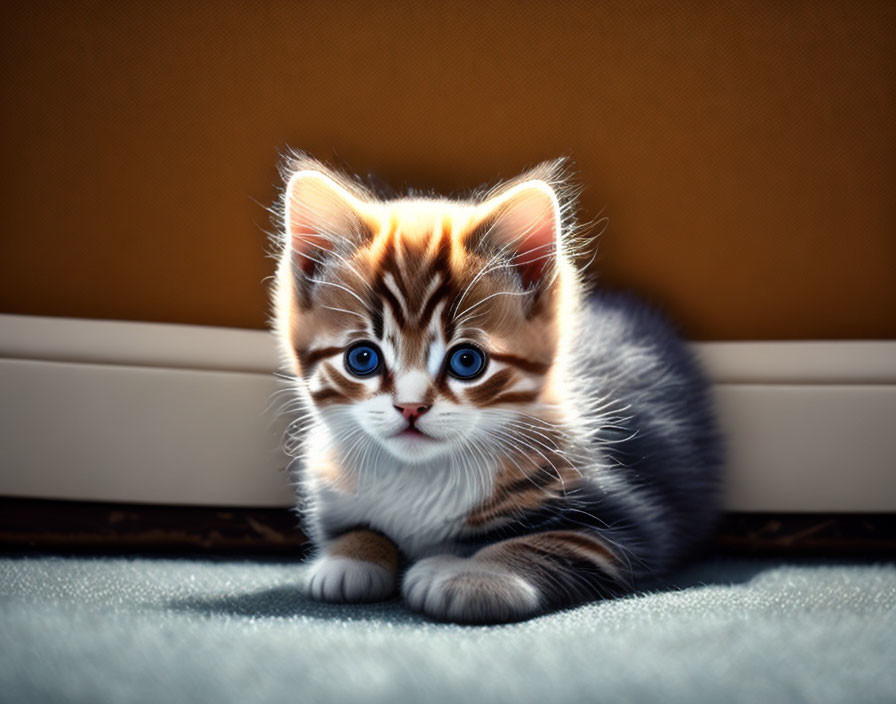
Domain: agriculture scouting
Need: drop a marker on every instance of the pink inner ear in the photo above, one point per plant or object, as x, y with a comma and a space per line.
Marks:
316, 214
308, 245
535, 253
529, 222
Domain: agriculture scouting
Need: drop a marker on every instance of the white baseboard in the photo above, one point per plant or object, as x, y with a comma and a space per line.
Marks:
144, 412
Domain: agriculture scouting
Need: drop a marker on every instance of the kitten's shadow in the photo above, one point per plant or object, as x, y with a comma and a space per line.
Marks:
716, 571
289, 602
731, 570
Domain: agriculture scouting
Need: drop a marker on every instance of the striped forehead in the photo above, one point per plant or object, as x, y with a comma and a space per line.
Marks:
415, 284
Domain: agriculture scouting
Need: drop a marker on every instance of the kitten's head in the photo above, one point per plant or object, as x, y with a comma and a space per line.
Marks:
424, 325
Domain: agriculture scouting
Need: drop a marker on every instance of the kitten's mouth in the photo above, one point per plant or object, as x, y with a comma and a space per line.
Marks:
412, 432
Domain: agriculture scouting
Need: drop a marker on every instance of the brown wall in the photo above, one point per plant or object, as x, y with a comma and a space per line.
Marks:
745, 153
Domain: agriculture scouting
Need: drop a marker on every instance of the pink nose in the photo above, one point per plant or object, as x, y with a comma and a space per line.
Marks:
410, 411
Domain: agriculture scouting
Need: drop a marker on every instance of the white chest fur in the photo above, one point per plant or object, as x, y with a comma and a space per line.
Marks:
419, 507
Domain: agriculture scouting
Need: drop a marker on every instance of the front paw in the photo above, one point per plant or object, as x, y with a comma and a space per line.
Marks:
345, 579
465, 590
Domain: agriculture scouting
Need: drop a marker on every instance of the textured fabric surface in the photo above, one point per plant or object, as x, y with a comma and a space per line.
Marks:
152, 630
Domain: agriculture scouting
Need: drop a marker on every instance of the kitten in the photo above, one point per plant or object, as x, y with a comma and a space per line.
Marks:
481, 434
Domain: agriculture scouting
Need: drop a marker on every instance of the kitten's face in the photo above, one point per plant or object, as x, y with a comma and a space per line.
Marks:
422, 326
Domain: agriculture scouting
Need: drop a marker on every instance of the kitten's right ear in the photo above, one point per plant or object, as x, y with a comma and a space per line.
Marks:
321, 215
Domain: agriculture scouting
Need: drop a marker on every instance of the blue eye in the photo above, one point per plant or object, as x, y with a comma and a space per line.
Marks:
466, 362
363, 359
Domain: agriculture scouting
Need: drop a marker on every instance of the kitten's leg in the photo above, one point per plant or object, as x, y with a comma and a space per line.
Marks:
513, 579
357, 566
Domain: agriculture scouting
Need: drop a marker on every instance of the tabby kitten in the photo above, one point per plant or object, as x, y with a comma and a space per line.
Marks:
481, 434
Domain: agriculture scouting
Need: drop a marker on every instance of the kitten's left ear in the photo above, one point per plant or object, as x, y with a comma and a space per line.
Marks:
523, 221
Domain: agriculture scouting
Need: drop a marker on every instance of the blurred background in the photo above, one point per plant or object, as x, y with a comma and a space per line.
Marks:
744, 153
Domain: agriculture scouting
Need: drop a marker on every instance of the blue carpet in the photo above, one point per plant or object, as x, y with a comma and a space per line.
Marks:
193, 630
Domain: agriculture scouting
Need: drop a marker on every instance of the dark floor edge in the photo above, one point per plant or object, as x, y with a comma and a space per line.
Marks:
43, 525
99, 527
871, 534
